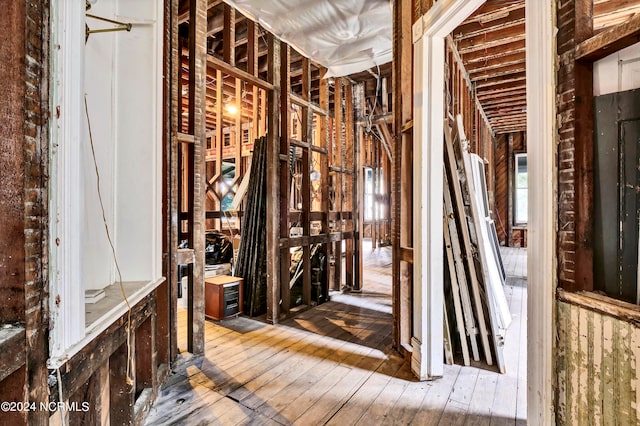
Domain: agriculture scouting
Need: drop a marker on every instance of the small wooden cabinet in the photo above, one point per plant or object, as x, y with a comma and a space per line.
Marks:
222, 297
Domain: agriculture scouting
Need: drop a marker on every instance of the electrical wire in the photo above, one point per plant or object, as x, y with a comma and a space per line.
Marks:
113, 249
63, 419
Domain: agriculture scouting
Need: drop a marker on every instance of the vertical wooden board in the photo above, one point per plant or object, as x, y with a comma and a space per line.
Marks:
121, 391
561, 361
455, 293
596, 367
229, 35
13, 389
625, 376
273, 182
197, 125
573, 356
608, 369
635, 375
584, 366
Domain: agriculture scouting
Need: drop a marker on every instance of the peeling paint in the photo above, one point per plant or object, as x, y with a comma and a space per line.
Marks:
597, 368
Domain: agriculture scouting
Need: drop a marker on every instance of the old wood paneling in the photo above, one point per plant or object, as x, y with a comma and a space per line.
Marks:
12, 54
597, 363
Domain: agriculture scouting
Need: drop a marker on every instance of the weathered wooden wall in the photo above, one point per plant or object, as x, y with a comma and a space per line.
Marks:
23, 201
506, 146
598, 361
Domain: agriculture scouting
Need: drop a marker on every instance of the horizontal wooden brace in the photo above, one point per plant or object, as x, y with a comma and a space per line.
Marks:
315, 239
13, 341
304, 103
406, 254
602, 304
185, 138
610, 40
236, 72
340, 170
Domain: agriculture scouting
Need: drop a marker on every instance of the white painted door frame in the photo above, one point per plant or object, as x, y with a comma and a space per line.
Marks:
541, 252
429, 34
428, 78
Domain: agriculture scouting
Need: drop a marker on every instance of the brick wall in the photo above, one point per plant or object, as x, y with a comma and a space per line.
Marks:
36, 152
11, 162
23, 194
565, 94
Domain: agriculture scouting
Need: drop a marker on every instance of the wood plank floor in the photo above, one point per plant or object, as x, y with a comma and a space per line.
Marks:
334, 365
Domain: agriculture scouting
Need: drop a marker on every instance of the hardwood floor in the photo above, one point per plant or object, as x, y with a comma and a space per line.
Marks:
334, 365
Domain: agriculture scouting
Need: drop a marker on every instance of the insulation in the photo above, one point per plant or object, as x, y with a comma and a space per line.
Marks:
346, 36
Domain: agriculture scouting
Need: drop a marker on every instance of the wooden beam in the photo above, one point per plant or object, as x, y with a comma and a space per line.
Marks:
504, 18
273, 181
197, 173
583, 140
500, 84
236, 72
184, 14
492, 11
229, 35
617, 309
503, 37
12, 349
610, 40
490, 64
489, 53
499, 72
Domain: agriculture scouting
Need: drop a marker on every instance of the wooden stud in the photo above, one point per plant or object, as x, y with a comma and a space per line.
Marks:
197, 174
120, 390
349, 154
229, 35
402, 171
273, 182
583, 137
323, 134
285, 177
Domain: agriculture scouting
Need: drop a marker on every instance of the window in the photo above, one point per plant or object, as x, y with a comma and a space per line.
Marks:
112, 80
521, 189
373, 189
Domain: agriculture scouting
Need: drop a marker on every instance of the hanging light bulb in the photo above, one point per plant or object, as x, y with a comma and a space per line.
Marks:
231, 109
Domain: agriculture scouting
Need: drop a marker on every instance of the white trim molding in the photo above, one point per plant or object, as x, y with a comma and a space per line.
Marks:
67, 83
429, 33
541, 143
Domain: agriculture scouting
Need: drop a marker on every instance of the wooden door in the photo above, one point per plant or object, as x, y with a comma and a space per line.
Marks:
617, 193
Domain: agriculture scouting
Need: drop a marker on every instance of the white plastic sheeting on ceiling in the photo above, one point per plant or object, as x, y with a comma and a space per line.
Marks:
346, 36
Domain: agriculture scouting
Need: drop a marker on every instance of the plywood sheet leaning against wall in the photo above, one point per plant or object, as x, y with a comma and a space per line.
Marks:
483, 262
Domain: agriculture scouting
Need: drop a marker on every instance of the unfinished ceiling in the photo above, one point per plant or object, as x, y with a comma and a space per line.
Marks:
491, 43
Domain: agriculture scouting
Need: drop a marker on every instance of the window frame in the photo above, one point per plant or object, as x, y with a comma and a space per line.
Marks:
516, 221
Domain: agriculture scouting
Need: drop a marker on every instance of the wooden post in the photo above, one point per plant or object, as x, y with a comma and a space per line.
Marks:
167, 292
324, 168
229, 35
284, 175
583, 137
197, 175
401, 224
358, 190
307, 122
273, 182
121, 393
348, 157
337, 181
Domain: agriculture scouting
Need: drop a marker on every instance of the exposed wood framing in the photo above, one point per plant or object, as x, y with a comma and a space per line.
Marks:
273, 182
610, 40
197, 175
401, 196
171, 194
